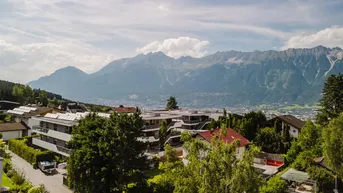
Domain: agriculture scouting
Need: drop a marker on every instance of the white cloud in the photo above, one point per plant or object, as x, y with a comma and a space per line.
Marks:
26, 62
329, 37
177, 47
40, 36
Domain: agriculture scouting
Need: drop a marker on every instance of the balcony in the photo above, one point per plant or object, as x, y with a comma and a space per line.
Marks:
52, 133
50, 146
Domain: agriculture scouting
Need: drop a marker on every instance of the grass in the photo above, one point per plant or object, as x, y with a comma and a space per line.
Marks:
6, 181
152, 172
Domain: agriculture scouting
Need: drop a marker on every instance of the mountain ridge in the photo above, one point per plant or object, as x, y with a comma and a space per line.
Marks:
294, 75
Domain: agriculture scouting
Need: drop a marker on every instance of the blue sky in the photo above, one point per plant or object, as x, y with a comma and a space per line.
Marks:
39, 36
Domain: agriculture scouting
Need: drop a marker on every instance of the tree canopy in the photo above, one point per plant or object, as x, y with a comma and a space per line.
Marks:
332, 100
172, 103
210, 169
106, 155
333, 144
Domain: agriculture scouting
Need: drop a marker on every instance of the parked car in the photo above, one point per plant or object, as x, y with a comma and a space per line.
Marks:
47, 167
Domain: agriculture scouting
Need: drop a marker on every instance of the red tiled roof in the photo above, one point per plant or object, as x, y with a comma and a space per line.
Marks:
231, 135
125, 109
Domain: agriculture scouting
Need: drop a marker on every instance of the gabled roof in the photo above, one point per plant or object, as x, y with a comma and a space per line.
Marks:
125, 109
4, 127
231, 136
290, 119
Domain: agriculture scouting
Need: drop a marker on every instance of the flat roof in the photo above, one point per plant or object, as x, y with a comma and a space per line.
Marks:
267, 169
161, 117
56, 121
295, 176
181, 112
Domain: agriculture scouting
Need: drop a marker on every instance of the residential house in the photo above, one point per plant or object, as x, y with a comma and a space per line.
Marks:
228, 136
76, 108
56, 130
289, 122
177, 122
23, 114
12, 130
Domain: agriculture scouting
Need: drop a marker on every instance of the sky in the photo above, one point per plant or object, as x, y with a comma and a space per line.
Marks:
37, 37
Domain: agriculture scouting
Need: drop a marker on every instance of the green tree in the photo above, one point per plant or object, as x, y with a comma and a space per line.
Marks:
333, 144
106, 155
269, 140
0, 135
332, 100
322, 176
274, 185
18, 92
163, 133
224, 112
310, 139
43, 98
251, 123
28, 94
54, 102
38, 189
215, 168
172, 103
245, 177
212, 125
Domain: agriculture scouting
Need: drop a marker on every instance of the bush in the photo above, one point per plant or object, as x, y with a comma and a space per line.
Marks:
7, 165
38, 189
18, 178
25, 187
28, 153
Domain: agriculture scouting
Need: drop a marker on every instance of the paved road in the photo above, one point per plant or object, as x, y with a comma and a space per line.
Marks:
36, 177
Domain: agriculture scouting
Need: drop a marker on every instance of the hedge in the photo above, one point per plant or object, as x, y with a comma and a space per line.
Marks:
28, 153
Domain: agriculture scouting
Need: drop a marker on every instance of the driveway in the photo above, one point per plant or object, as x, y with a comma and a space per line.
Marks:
36, 177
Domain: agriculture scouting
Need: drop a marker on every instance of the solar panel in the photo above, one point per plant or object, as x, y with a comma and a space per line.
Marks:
15, 112
22, 110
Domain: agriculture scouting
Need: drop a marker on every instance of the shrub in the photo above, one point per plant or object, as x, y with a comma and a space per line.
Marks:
28, 153
38, 189
7, 165
18, 178
25, 187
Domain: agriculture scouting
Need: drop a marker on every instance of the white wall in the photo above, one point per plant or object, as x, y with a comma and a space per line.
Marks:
294, 132
31, 123
240, 152
11, 134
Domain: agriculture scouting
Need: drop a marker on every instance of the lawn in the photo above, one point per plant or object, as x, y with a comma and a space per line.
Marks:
6, 181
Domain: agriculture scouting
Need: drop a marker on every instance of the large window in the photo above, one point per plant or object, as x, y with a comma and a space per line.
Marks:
55, 127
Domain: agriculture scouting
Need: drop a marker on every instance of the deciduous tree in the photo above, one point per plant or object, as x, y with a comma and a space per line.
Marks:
106, 155
333, 144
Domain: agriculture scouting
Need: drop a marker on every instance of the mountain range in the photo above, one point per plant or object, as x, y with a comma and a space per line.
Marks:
221, 79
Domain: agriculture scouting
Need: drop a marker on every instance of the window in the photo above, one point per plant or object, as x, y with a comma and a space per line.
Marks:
47, 125
294, 131
41, 124
55, 127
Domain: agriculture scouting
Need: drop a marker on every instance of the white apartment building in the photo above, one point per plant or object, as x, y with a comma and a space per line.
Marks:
56, 130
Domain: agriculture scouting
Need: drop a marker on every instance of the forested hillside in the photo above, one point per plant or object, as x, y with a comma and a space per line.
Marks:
25, 94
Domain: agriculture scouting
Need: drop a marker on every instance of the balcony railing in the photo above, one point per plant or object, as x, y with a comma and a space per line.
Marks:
63, 149
41, 129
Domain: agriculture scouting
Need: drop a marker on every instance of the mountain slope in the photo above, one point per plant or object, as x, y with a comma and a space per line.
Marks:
223, 78
67, 81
